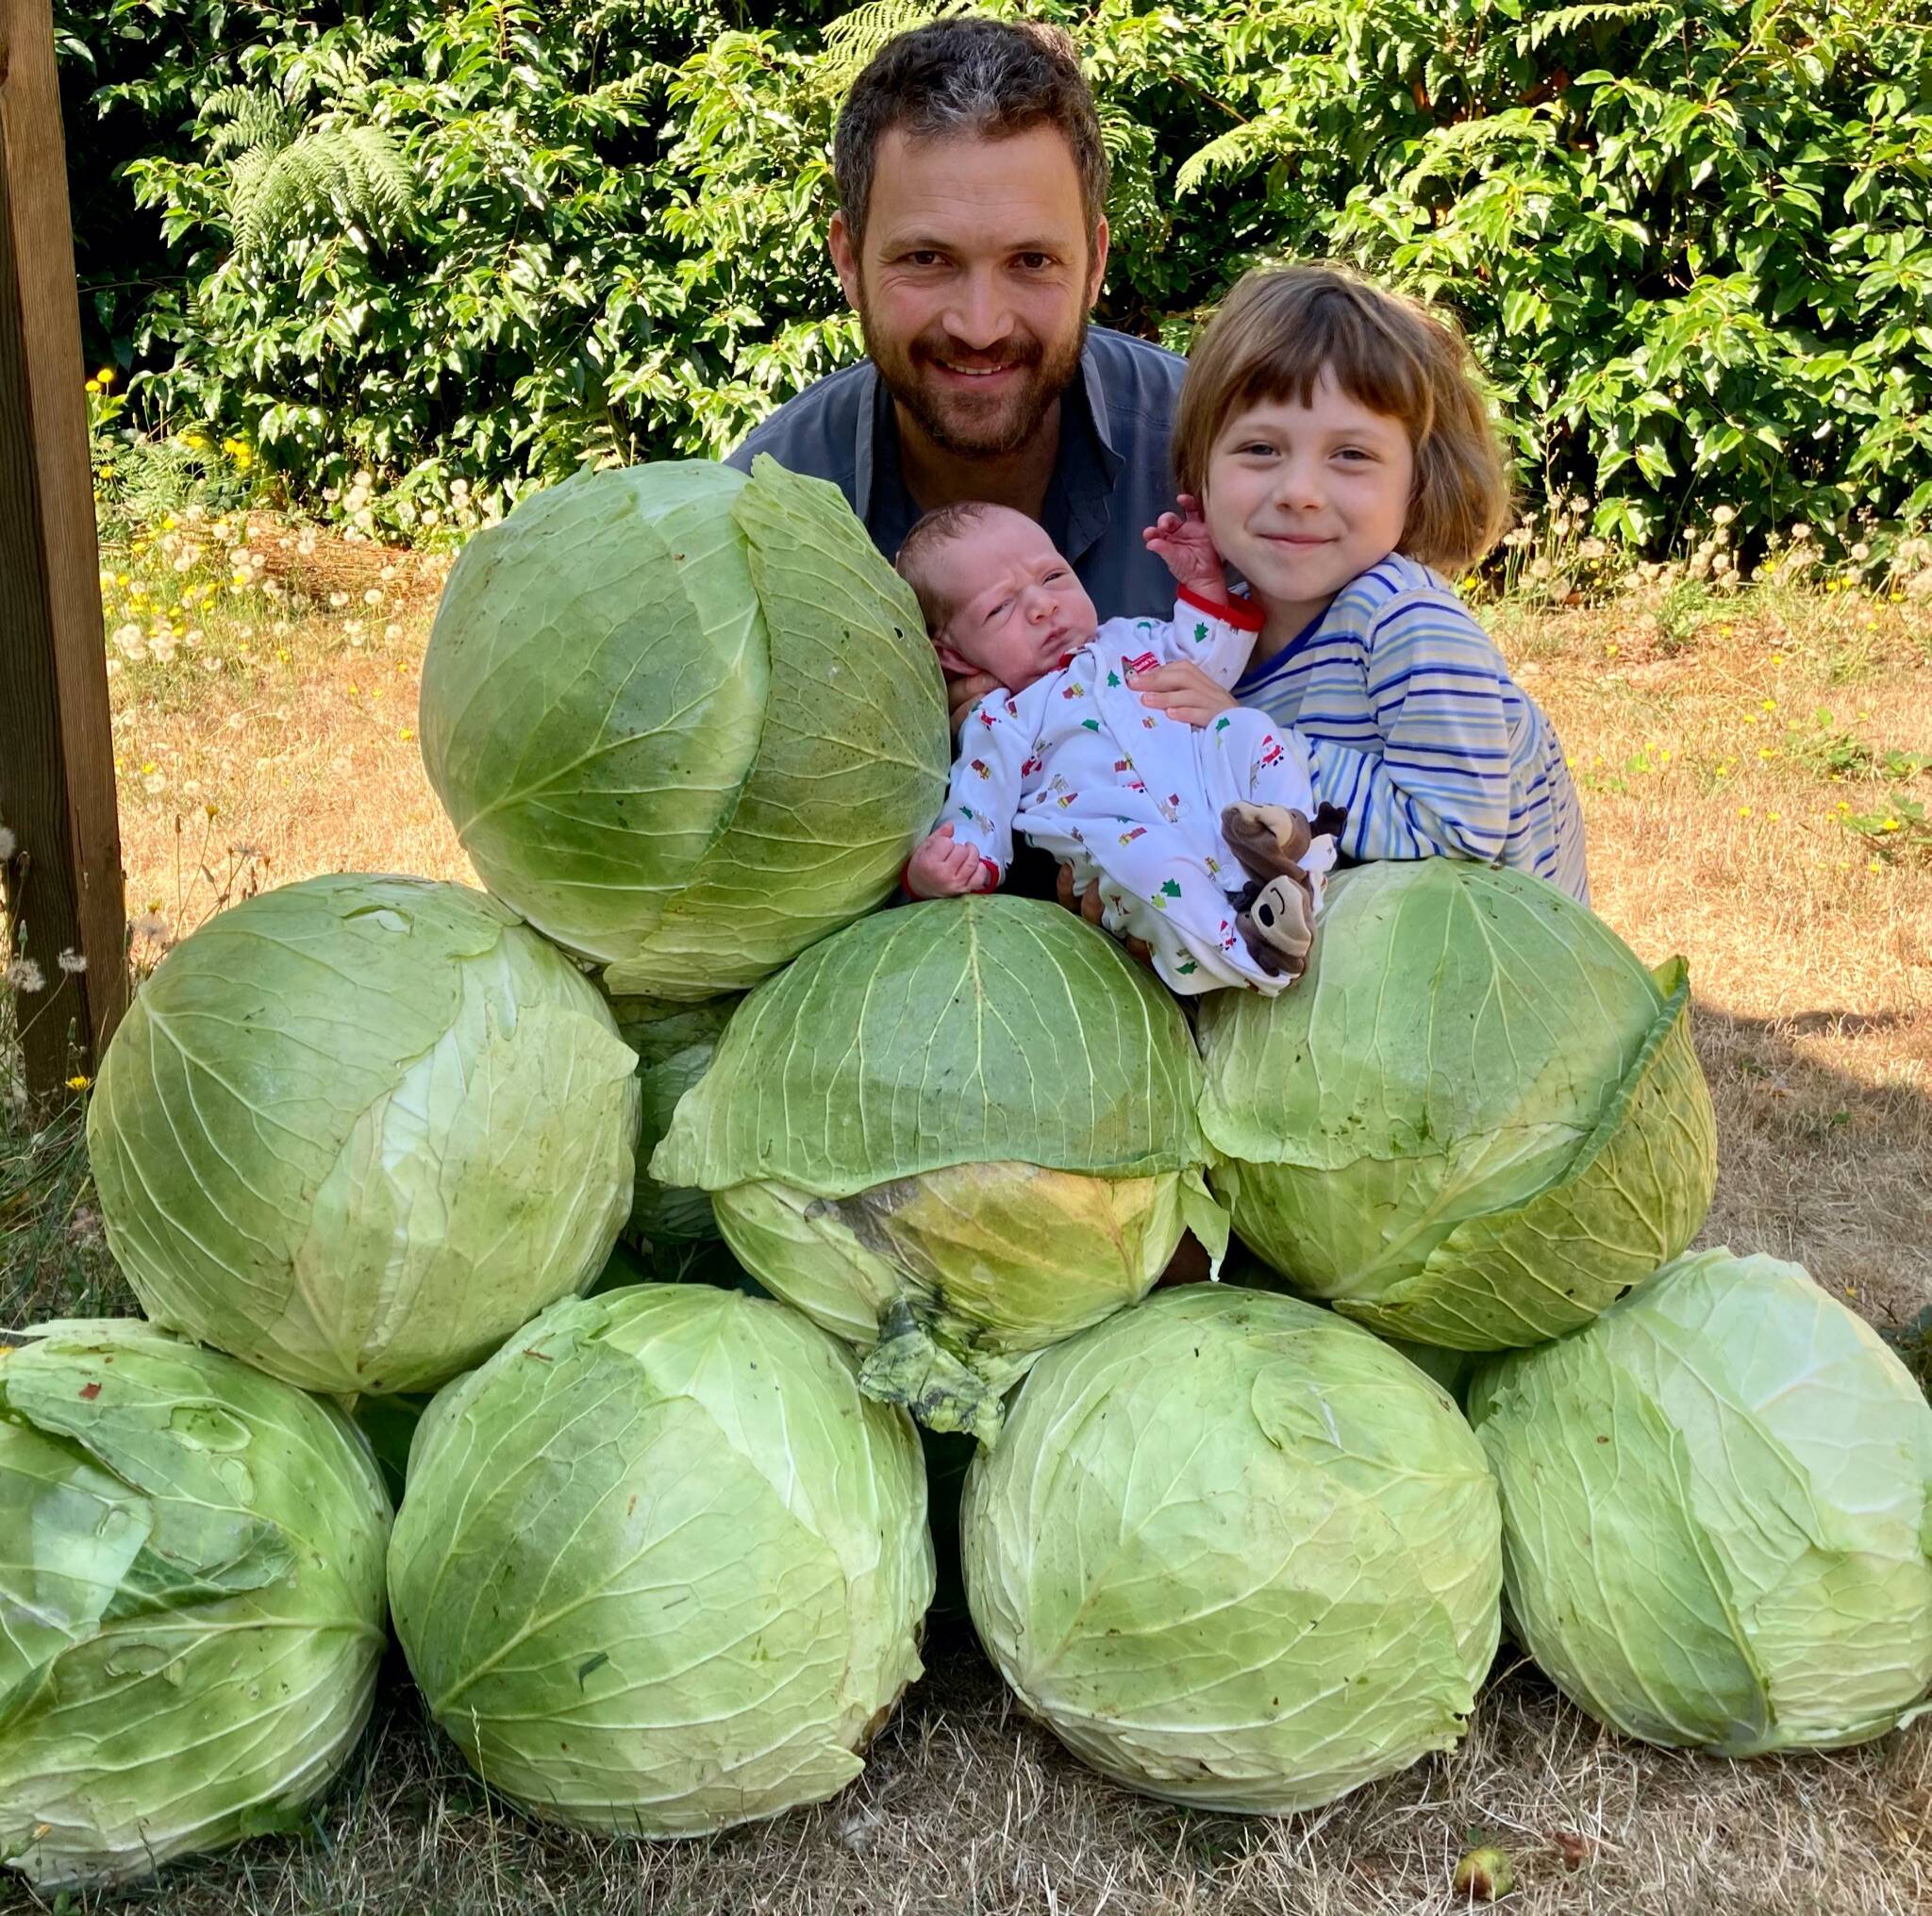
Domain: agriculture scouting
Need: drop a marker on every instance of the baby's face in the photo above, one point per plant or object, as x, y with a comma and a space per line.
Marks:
1018, 610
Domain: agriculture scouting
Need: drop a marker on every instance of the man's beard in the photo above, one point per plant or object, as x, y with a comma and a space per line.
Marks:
956, 421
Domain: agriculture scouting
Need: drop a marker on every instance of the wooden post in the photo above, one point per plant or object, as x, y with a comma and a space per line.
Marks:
63, 880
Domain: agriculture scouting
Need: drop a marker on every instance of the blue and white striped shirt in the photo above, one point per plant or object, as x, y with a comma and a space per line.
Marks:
1414, 723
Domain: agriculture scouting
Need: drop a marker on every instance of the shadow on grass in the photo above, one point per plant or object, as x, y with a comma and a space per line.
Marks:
1826, 1160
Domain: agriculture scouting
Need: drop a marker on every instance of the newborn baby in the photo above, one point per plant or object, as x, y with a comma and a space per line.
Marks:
1200, 839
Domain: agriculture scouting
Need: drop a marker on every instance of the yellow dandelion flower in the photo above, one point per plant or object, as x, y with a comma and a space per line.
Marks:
1767, 751
1744, 811
79, 1083
1767, 705
1873, 865
1773, 817
1890, 824
406, 733
105, 377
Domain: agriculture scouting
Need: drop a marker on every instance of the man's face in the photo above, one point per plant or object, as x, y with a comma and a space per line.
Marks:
973, 282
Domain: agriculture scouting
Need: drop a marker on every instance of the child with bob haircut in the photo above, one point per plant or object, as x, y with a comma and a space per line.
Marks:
1336, 440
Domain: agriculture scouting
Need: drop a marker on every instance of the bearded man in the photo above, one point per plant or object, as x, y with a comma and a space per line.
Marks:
970, 238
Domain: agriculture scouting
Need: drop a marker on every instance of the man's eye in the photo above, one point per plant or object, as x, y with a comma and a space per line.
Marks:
1035, 262
924, 256
1057, 572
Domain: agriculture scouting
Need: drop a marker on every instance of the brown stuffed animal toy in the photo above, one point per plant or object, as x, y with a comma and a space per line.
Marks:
1275, 912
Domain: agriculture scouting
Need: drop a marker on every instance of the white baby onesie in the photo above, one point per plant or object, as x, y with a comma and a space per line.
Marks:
1081, 767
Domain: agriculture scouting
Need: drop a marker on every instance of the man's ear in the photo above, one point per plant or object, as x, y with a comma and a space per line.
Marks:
844, 249
1096, 271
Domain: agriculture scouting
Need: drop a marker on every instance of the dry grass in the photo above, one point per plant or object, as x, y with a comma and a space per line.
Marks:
1813, 978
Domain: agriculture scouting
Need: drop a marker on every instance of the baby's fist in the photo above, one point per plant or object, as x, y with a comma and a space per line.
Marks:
941, 867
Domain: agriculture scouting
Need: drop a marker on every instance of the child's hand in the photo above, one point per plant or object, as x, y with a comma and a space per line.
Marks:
1183, 691
942, 869
1181, 540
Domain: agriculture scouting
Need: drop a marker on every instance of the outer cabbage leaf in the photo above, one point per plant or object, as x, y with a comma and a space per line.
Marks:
356, 1130
685, 723
660, 1567
1474, 1123
987, 1029
1717, 1508
191, 1583
1236, 1552
954, 1281
675, 1044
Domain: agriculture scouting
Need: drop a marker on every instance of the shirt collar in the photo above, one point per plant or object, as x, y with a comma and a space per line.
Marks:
1078, 495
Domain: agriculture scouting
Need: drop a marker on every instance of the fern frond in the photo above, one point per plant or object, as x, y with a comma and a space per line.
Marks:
237, 118
853, 39
1453, 148
337, 175
1592, 13
1233, 151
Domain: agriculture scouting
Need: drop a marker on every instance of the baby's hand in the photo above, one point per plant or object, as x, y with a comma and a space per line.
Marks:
1181, 540
941, 869
1183, 691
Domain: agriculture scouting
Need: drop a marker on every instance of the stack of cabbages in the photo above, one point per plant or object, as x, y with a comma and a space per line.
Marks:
662, 1558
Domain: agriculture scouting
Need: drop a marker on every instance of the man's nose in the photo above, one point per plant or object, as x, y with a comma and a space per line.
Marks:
978, 315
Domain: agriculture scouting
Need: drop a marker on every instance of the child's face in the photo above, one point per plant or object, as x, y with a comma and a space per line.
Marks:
1017, 608
1303, 498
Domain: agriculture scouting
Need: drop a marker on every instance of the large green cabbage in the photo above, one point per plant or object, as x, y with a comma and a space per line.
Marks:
1236, 1552
660, 1567
358, 1129
1717, 1511
1474, 1122
954, 1134
190, 1600
685, 723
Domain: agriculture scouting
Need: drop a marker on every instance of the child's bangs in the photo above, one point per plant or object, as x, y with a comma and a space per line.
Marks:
1328, 328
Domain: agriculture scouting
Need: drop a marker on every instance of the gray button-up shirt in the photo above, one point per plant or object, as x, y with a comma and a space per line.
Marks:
1110, 478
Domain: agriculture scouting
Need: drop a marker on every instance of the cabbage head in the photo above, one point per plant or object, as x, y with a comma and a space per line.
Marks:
1475, 1120
660, 1569
1235, 1552
685, 723
675, 1044
1717, 1512
356, 1130
192, 1588
954, 1134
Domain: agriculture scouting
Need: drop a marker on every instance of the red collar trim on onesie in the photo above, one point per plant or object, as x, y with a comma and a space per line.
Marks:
1243, 614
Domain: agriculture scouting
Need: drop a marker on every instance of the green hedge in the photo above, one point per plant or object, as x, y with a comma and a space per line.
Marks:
1689, 237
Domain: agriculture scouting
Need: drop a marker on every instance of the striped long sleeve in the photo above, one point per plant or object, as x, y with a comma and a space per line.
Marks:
1415, 725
